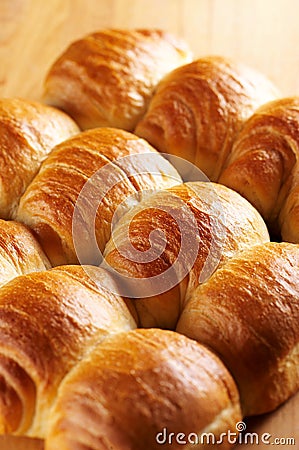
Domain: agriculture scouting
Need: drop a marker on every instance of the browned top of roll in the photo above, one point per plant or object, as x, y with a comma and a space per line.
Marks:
20, 252
179, 236
107, 77
263, 165
28, 132
49, 321
113, 166
248, 313
134, 385
198, 108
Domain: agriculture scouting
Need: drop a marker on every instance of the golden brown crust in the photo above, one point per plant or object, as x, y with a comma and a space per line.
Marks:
20, 252
48, 321
107, 78
288, 219
10, 442
203, 225
28, 132
198, 108
264, 162
113, 166
248, 313
135, 385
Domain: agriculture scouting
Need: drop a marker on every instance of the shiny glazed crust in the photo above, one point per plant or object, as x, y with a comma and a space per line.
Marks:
20, 252
129, 389
217, 223
263, 165
107, 78
28, 132
49, 320
76, 368
248, 313
197, 110
49, 202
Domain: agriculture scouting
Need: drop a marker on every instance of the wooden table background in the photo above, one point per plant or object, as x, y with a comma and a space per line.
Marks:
260, 33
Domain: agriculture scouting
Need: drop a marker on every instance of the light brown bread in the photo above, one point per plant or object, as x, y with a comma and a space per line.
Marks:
20, 252
248, 313
107, 78
49, 320
87, 360
136, 388
263, 165
197, 110
28, 132
174, 240
113, 169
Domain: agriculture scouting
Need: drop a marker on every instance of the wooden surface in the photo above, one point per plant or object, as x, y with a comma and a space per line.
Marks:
261, 33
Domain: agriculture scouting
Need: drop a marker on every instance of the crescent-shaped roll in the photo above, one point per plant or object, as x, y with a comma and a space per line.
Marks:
107, 78
49, 320
87, 182
20, 252
248, 314
174, 240
198, 109
142, 389
263, 165
28, 132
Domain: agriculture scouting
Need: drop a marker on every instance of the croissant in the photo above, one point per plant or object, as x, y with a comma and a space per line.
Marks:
175, 239
263, 165
144, 388
28, 131
169, 315
20, 252
107, 78
248, 313
85, 182
49, 320
198, 109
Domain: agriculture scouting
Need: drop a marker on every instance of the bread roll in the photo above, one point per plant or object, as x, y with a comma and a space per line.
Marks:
49, 320
198, 108
28, 132
136, 388
112, 168
248, 314
174, 240
264, 162
107, 78
20, 253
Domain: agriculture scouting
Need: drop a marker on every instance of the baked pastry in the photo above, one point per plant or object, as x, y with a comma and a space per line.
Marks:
174, 240
76, 368
20, 252
107, 78
198, 109
248, 314
28, 132
145, 386
49, 320
95, 175
263, 165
